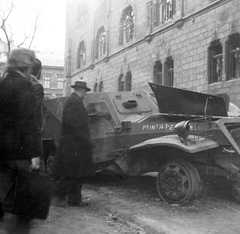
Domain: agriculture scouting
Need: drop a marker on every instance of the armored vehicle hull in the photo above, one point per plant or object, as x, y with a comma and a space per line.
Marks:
182, 136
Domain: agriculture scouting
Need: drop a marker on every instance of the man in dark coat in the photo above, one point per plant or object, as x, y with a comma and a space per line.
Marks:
37, 90
20, 143
74, 155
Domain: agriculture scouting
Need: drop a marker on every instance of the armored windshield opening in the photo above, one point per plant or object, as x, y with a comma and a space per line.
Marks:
129, 104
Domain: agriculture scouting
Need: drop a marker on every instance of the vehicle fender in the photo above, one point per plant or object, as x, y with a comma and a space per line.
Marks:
193, 143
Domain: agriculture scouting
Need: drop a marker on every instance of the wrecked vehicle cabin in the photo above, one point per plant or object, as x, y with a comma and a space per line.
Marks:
183, 136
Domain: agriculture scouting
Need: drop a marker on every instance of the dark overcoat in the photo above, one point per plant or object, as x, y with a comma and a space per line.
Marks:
74, 152
19, 136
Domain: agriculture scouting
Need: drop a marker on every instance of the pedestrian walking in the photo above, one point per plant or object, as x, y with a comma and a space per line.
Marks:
20, 143
74, 161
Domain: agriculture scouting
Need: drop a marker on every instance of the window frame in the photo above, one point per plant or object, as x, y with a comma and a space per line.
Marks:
162, 11
120, 83
101, 42
60, 82
46, 81
158, 69
81, 55
126, 26
232, 54
215, 62
128, 81
169, 71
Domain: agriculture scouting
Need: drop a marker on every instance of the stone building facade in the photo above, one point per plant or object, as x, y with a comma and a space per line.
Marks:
123, 45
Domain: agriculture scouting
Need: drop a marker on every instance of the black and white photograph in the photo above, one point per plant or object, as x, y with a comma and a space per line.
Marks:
119, 116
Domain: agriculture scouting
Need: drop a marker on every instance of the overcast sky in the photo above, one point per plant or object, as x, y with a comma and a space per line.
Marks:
51, 22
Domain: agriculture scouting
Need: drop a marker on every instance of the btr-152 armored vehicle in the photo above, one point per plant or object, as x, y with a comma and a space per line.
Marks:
182, 135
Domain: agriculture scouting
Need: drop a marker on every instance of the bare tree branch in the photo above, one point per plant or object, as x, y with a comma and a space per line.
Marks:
8, 33
26, 37
35, 28
4, 28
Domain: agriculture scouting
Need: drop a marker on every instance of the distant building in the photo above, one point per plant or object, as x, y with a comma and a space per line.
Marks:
122, 45
52, 79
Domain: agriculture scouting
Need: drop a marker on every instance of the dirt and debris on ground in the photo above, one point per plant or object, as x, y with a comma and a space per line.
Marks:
131, 205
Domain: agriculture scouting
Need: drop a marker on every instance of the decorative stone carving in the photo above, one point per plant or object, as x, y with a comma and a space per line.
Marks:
215, 34
106, 59
91, 66
179, 23
223, 16
148, 38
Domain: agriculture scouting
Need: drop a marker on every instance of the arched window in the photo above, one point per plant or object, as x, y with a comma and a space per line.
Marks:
157, 72
81, 55
215, 62
100, 42
95, 89
120, 83
126, 26
100, 88
128, 81
169, 71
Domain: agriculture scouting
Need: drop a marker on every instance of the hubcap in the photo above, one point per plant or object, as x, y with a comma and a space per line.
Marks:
177, 182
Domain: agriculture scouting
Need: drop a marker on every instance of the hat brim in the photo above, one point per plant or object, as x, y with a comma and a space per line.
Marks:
77, 86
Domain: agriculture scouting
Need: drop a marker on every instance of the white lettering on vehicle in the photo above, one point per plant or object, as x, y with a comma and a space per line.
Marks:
154, 127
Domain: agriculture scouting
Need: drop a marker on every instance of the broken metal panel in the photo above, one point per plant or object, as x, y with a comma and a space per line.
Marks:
180, 101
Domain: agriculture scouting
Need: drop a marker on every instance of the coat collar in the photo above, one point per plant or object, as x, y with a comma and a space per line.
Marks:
76, 96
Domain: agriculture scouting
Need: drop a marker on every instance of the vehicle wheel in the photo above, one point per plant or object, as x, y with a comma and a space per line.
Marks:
50, 166
197, 183
178, 182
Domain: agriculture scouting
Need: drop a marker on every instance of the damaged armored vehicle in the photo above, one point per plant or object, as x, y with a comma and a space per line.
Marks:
182, 136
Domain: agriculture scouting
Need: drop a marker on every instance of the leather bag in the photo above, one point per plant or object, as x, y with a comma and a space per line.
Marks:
29, 197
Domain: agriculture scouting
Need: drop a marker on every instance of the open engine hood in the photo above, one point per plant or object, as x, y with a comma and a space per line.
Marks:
179, 101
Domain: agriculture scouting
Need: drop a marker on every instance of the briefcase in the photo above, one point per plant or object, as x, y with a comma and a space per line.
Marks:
29, 197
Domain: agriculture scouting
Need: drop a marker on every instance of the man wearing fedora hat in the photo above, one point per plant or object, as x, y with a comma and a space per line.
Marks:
74, 161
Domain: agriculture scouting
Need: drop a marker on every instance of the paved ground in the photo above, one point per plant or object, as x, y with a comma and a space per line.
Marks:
131, 205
